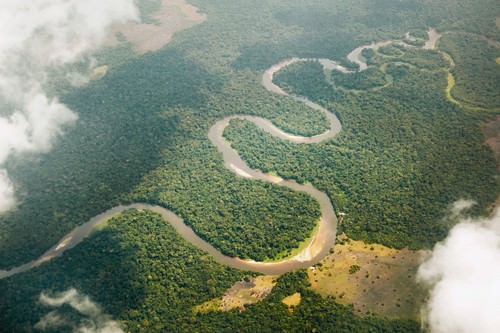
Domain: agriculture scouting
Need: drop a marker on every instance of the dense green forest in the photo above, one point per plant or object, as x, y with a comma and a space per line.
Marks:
397, 143
241, 218
476, 72
151, 120
178, 92
151, 278
404, 155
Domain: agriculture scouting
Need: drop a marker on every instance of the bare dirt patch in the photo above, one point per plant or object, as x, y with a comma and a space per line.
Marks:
371, 277
173, 16
292, 301
242, 293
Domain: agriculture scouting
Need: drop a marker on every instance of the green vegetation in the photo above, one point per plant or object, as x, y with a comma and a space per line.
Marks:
147, 8
101, 158
404, 155
242, 218
150, 279
137, 262
415, 58
368, 79
354, 268
397, 144
309, 76
476, 72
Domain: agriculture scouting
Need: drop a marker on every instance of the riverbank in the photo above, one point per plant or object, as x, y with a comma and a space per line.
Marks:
310, 253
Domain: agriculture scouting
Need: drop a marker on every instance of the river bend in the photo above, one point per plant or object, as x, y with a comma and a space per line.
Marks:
321, 241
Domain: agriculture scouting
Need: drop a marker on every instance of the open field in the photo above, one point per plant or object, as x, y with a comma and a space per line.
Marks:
372, 277
241, 294
173, 16
292, 301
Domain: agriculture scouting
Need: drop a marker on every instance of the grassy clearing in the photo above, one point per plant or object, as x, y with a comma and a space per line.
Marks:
240, 294
292, 301
449, 87
383, 281
159, 26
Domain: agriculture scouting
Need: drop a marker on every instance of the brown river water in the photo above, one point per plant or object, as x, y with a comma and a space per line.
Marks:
322, 240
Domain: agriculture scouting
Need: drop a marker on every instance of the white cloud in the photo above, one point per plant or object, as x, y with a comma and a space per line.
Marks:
51, 320
463, 273
6, 192
37, 36
94, 320
459, 206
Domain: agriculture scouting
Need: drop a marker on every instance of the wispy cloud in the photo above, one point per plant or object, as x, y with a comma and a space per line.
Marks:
463, 273
37, 36
93, 321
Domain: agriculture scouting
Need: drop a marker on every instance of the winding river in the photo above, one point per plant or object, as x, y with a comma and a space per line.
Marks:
321, 241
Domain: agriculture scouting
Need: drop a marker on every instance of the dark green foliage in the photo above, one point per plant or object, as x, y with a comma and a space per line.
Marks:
477, 75
308, 77
405, 154
118, 137
392, 50
242, 218
137, 262
149, 278
370, 78
354, 268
